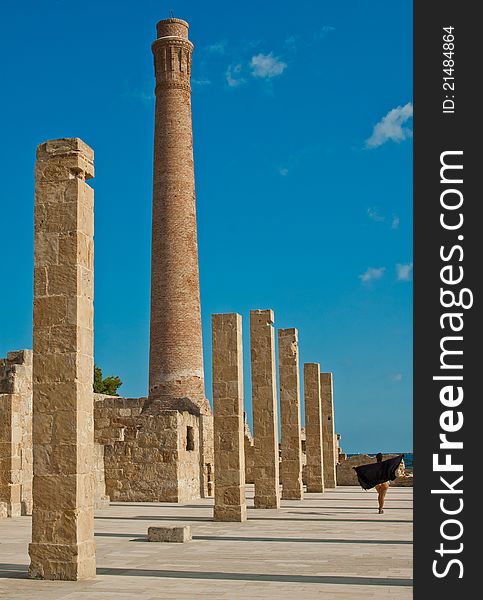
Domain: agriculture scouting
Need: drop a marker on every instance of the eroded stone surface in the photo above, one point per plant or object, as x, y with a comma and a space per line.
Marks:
230, 503
101, 499
148, 458
63, 425
264, 405
172, 534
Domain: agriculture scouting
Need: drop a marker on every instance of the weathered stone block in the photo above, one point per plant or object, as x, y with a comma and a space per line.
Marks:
175, 533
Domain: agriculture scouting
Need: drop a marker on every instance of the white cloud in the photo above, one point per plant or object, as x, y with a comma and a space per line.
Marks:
404, 272
266, 66
391, 127
374, 215
283, 171
395, 222
397, 377
372, 274
232, 76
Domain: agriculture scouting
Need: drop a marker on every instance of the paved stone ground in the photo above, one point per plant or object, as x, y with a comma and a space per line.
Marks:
331, 545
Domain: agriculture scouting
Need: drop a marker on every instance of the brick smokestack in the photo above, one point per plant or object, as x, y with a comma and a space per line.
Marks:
176, 378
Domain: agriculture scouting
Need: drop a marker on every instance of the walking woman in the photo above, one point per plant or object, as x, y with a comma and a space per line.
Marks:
381, 488
378, 475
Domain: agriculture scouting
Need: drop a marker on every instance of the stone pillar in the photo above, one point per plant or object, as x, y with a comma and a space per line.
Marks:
291, 443
176, 379
230, 503
313, 428
264, 405
63, 426
328, 434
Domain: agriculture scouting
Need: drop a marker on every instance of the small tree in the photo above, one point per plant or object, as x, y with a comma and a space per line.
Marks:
106, 386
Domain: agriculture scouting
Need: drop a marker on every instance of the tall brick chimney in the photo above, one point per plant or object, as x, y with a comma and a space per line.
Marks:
176, 357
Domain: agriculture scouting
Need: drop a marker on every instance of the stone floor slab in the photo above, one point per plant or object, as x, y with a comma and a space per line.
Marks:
331, 545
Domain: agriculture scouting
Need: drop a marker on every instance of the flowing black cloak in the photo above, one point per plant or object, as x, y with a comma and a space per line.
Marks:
379, 472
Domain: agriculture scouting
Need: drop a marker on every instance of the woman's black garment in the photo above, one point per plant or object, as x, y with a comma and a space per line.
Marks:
371, 475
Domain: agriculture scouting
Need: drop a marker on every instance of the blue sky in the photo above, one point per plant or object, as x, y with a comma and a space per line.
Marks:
303, 157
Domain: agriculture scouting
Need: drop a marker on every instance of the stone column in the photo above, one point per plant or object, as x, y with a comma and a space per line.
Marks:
264, 405
230, 503
313, 428
176, 379
328, 435
63, 426
291, 443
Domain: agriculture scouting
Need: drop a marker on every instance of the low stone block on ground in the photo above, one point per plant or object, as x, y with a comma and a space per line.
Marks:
172, 534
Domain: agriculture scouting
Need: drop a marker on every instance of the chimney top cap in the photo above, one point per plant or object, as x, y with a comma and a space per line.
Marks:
172, 27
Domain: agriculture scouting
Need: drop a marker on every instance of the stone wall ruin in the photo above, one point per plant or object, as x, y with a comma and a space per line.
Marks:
147, 458
16, 461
